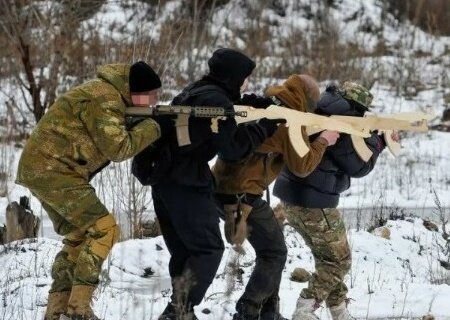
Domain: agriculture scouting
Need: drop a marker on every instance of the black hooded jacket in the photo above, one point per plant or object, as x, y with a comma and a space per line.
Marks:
321, 189
188, 165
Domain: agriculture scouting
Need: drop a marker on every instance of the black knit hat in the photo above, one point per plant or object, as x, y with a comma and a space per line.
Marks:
143, 78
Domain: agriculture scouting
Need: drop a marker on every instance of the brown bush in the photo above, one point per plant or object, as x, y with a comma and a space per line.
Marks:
430, 15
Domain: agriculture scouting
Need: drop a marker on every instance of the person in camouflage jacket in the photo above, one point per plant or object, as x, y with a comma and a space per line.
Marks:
310, 204
78, 136
241, 184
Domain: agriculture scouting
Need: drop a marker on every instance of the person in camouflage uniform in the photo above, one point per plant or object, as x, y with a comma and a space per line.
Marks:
241, 184
310, 205
79, 135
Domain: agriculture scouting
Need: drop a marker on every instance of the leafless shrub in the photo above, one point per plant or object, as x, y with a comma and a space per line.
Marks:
430, 15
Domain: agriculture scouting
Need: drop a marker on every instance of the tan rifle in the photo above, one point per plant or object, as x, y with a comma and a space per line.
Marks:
295, 120
385, 124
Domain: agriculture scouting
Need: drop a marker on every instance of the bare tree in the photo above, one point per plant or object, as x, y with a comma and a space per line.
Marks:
41, 38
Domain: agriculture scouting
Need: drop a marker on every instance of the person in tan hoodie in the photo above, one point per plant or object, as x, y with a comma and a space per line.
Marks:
239, 189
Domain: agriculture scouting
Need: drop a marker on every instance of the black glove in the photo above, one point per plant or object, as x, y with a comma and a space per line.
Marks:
166, 123
131, 122
270, 125
256, 101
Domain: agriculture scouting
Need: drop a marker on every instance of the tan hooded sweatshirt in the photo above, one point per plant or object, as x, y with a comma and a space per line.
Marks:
254, 173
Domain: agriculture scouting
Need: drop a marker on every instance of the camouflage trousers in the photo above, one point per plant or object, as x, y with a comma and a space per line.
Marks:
89, 232
324, 233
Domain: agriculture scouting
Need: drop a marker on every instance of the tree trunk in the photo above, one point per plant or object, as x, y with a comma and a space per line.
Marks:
21, 223
2, 235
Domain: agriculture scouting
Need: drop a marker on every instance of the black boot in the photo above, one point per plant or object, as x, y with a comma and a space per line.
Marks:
246, 310
171, 313
271, 316
271, 309
240, 316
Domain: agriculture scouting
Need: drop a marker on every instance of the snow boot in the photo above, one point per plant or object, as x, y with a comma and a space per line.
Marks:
57, 305
340, 312
79, 307
305, 308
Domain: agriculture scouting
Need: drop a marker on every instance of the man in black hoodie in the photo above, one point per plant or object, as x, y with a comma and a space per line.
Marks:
183, 196
310, 204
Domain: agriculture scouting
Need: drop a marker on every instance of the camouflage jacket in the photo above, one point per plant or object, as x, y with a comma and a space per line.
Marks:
82, 131
256, 172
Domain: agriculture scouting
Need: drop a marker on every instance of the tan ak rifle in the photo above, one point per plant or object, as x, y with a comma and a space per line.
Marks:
384, 124
295, 120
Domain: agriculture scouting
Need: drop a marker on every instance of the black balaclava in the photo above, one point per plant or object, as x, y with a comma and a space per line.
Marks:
230, 68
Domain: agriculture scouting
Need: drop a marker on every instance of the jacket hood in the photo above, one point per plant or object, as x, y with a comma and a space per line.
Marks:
292, 93
332, 103
117, 76
230, 68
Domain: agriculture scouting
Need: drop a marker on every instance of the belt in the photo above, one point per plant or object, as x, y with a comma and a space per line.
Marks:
248, 198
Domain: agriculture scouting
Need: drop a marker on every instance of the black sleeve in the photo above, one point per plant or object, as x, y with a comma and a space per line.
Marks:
153, 163
344, 155
235, 142
255, 101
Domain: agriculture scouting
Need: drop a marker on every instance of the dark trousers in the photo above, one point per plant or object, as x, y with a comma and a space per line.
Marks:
189, 222
266, 237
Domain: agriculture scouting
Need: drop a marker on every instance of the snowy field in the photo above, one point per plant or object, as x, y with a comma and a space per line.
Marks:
398, 278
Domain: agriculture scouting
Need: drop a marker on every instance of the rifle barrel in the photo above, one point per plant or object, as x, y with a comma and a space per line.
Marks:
195, 111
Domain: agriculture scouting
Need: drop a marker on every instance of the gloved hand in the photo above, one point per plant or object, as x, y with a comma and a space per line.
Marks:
166, 123
255, 101
131, 122
270, 125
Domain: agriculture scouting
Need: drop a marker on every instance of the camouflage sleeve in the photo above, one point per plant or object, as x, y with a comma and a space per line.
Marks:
105, 122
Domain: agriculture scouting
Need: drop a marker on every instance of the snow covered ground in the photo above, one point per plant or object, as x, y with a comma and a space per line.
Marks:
398, 278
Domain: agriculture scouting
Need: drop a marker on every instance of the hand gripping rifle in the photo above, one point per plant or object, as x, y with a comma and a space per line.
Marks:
385, 124
295, 120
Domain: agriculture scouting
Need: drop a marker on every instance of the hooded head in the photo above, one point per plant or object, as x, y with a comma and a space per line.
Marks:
350, 99
299, 92
230, 68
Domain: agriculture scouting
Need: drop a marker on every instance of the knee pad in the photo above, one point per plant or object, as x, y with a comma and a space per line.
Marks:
102, 235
